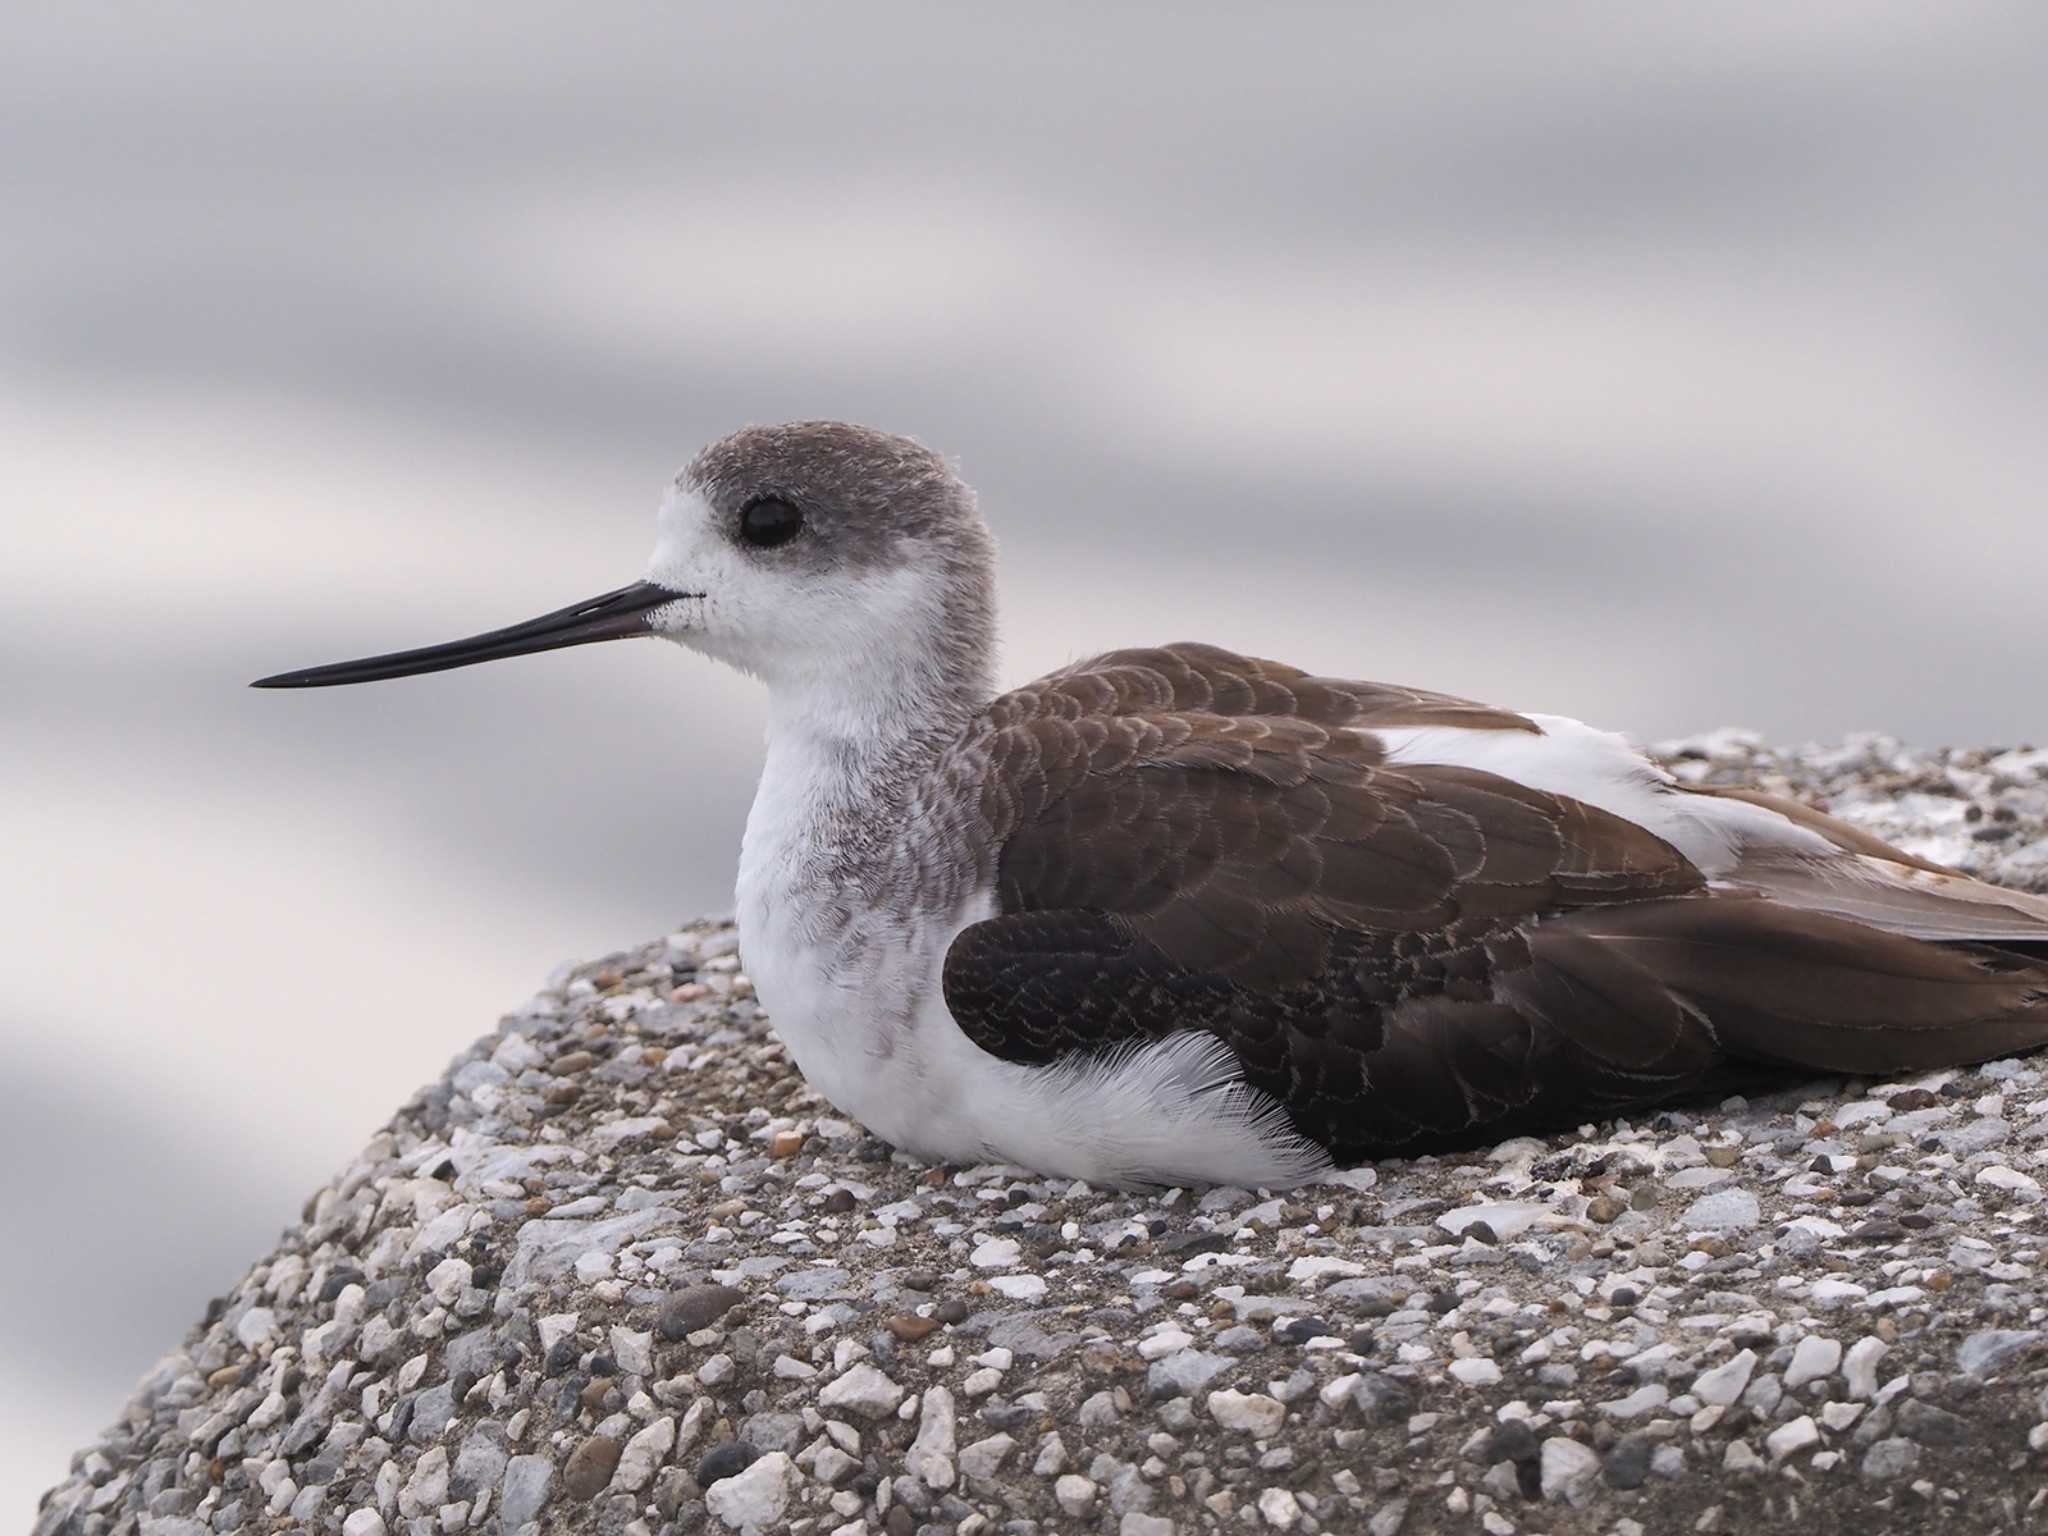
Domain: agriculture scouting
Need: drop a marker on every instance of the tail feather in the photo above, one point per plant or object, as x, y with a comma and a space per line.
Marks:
1806, 989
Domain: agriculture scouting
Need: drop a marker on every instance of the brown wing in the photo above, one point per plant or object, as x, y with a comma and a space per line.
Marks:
1405, 957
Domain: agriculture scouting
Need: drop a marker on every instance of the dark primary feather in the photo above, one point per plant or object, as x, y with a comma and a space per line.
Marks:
1404, 957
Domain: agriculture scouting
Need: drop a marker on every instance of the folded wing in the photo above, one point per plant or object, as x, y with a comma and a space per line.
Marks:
1407, 954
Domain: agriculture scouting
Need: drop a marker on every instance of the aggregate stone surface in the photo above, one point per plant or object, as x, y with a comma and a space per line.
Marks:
619, 1270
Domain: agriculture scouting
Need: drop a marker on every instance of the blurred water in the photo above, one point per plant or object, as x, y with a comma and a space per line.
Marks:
1667, 370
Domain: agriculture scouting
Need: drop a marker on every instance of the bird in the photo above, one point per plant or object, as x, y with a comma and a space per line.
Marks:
1180, 916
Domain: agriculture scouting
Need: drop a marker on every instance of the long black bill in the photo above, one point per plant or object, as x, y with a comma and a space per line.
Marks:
617, 615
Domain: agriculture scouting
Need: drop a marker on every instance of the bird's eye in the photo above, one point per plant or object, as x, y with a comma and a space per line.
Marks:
770, 521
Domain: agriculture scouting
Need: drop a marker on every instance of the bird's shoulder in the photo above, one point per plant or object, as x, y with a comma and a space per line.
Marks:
1190, 678
1231, 796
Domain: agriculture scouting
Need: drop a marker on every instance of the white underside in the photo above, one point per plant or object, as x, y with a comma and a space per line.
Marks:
1175, 1112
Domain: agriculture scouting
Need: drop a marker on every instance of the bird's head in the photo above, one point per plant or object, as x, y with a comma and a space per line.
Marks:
821, 557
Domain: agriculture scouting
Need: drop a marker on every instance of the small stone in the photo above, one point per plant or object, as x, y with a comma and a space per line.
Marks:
1019, 1287
1383, 1399
363, 1522
1605, 1209
1189, 1371
862, 1389
1724, 1210
1074, 1494
755, 1499
728, 1460
1990, 1350
1725, 1382
785, 1144
1251, 1413
1998, 1176
1859, 1366
1839, 1416
427, 1488
1052, 1456
1628, 1463
447, 1280
633, 1351
644, 1454
1279, 1508
1830, 1292
479, 1465
1476, 1371
256, 1327
1790, 1439
984, 1458
525, 1492
1815, 1357
1567, 1470
1645, 1399
996, 1253
1929, 1424
698, 1306
1167, 1341
590, 1467
909, 1327
930, 1457
1137, 1523
1890, 1459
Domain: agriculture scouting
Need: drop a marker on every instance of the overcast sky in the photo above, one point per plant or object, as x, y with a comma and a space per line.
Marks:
1666, 365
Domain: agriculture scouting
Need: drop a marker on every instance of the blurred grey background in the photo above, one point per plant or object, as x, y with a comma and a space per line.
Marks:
1666, 365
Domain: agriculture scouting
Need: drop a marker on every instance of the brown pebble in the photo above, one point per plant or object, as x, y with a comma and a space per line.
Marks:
694, 1307
1940, 1280
1911, 1099
951, 1310
1644, 1199
593, 1396
1605, 1208
654, 1055
689, 992
606, 979
785, 1144
840, 1201
1722, 1157
574, 1061
909, 1327
591, 1465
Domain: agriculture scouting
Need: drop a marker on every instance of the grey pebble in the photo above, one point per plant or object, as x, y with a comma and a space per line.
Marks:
1990, 1350
528, 1480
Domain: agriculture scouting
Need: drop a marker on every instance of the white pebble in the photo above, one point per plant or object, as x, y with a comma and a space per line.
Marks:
1476, 1371
1790, 1439
1859, 1366
1724, 1383
1816, 1356
1251, 1413
1279, 1508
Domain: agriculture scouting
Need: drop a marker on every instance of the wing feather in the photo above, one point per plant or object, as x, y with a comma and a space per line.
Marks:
1406, 955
